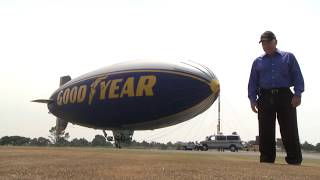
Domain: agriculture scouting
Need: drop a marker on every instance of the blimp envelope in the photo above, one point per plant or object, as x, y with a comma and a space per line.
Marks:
136, 95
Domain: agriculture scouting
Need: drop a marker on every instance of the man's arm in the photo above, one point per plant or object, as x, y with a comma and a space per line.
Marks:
252, 88
298, 82
296, 76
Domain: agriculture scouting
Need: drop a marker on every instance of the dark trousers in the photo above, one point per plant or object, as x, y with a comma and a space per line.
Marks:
274, 104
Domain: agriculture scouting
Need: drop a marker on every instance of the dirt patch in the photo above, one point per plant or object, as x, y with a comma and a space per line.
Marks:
96, 163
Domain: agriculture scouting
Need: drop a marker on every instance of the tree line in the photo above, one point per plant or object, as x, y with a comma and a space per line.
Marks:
57, 138
61, 138
98, 141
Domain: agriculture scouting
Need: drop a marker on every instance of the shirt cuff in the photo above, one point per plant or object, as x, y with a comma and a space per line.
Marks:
298, 93
253, 100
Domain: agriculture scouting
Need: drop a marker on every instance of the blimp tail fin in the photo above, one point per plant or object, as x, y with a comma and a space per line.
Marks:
46, 101
64, 79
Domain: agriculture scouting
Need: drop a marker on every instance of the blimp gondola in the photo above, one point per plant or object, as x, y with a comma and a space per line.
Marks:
134, 95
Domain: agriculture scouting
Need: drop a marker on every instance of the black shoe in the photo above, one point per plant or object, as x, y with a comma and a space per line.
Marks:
294, 161
295, 164
264, 161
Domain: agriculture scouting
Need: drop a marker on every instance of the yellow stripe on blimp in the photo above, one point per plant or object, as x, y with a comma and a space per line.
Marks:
77, 94
215, 86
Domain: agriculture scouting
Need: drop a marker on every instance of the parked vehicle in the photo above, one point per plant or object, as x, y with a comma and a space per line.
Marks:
221, 142
189, 146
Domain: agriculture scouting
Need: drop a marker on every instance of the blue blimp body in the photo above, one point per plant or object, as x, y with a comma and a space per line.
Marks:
135, 95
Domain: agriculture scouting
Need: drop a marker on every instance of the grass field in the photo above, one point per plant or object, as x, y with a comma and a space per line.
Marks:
99, 163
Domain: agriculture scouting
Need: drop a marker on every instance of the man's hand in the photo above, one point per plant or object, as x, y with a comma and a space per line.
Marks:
254, 106
296, 101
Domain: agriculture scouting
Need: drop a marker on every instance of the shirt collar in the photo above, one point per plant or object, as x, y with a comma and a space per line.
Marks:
277, 51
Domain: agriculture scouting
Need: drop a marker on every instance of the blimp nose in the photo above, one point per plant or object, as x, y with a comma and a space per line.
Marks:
205, 74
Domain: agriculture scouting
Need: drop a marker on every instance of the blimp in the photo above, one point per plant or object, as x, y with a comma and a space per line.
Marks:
134, 95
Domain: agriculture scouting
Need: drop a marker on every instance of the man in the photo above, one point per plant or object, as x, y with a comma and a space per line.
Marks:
272, 75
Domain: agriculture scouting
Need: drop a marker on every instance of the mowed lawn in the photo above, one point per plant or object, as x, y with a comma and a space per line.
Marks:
101, 163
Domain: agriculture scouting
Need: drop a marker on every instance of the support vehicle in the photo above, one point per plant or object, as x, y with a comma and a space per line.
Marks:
222, 142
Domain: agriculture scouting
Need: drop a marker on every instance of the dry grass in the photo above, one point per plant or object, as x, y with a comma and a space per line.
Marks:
94, 163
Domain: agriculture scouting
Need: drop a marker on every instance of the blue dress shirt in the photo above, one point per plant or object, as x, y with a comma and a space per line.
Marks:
277, 71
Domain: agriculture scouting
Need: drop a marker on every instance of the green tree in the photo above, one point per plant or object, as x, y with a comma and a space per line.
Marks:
5, 140
14, 140
318, 147
41, 141
79, 142
145, 144
99, 140
59, 138
308, 147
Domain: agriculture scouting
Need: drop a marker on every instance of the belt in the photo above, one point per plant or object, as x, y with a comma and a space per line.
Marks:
275, 90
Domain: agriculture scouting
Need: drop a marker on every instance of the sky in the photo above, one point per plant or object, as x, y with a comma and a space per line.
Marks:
41, 40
